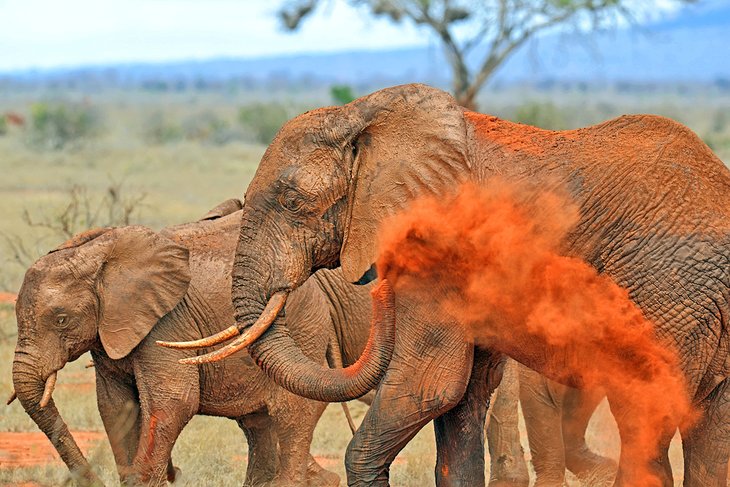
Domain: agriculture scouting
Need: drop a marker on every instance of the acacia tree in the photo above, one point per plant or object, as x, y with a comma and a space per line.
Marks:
487, 30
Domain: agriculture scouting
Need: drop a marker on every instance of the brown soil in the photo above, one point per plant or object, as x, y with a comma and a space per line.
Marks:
34, 449
8, 298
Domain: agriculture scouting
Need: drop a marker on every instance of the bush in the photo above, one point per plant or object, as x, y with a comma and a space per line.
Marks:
56, 126
263, 120
543, 115
207, 127
3, 126
80, 211
341, 94
157, 129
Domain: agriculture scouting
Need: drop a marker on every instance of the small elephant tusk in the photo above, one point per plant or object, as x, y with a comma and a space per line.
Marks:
273, 307
12, 398
48, 390
219, 337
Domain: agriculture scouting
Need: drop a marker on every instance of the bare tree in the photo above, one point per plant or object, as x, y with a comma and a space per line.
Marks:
489, 30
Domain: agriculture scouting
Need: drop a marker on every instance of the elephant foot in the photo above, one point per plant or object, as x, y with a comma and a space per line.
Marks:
509, 483
320, 477
590, 467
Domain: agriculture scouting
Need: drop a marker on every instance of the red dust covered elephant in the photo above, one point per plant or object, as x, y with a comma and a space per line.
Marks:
653, 215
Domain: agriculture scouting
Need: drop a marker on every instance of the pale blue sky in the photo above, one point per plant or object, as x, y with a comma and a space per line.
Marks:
52, 33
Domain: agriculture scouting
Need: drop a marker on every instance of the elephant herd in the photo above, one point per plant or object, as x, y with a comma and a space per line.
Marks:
292, 268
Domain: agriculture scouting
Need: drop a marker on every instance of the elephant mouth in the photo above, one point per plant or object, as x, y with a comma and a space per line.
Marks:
246, 338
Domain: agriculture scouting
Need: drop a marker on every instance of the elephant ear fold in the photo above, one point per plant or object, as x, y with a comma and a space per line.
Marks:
412, 144
143, 277
229, 206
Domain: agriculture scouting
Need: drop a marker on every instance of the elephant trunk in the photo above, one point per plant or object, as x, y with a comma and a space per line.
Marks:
282, 359
31, 390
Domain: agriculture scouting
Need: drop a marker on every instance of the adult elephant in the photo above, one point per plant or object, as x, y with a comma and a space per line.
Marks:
114, 291
654, 203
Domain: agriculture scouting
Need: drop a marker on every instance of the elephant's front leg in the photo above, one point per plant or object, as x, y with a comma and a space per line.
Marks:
167, 404
460, 431
119, 410
263, 454
427, 376
631, 471
295, 419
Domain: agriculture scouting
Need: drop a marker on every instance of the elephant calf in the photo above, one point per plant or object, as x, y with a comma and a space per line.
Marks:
115, 291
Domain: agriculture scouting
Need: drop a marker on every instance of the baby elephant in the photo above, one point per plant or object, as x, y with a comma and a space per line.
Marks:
116, 291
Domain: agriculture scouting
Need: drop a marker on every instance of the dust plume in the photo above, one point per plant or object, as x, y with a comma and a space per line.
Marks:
496, 259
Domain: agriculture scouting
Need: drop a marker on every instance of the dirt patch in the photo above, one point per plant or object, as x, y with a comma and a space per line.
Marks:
8, 298
34, 449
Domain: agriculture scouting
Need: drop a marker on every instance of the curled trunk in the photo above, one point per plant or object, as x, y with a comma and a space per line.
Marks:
282, 359
29, 388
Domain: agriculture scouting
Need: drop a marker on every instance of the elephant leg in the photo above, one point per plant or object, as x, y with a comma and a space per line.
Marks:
542, 407
508, 466
460, 431
119, 411
263, 455
166, 406
707, 444
626, 475
428, 375
295, 419
578, 408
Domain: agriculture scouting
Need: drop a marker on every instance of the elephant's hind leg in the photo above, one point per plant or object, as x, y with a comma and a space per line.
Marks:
707, 445
508, 467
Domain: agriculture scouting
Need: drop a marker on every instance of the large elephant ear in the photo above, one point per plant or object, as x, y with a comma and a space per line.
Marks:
143, 277
411, 142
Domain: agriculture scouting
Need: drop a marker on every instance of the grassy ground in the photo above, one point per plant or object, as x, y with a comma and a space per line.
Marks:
182, 178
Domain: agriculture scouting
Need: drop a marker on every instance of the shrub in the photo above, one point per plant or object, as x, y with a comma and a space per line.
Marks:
543, 115
207, 127
157, 129
3, 126
263, 120
80, 211
56, 126
341, 94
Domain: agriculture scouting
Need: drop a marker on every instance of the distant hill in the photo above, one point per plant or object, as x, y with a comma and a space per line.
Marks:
690, 47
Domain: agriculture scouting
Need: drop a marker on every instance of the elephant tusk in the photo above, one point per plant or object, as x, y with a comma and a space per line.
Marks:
219, 337
48, 390
276, 302
12, 398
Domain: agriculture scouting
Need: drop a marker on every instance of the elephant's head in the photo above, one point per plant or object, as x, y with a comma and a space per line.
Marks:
323, 186
102, 290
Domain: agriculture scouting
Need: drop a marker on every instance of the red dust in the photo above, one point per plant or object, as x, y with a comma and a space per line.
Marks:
495, 258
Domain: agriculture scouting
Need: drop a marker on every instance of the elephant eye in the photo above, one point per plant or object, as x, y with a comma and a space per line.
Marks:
291, 200
62, 320
354, 149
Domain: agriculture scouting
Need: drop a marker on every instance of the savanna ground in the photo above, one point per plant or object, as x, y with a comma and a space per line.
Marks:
169, 157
